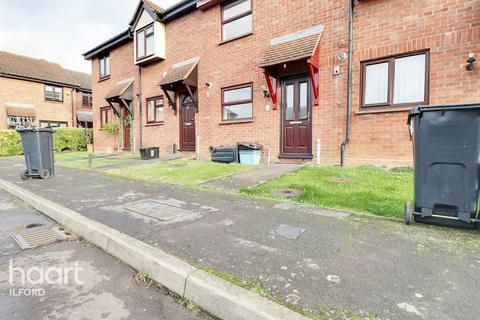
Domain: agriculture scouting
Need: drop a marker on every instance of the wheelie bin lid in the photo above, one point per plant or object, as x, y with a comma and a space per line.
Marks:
35, 130
418, 110
249, 146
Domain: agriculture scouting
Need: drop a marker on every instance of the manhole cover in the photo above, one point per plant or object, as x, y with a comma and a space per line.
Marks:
157, 210
35, 238
288, 192
286, 231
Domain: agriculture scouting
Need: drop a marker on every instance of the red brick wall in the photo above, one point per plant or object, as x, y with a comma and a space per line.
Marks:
28, 92
450, 29
78, 96
236, 62
121, 67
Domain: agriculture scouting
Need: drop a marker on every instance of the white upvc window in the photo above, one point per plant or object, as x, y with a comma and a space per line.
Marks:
396, 81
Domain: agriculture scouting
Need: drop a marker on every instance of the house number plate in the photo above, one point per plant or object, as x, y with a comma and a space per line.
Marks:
296, 122
188, 123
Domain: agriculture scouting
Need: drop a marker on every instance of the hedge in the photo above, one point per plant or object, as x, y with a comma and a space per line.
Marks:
64, 139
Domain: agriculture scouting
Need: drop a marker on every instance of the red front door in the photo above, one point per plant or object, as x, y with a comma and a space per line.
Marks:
187, 124
296, 125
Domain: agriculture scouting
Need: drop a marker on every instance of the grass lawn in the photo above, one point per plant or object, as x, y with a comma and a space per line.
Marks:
80, 162
67, 156
363, 189
181, 171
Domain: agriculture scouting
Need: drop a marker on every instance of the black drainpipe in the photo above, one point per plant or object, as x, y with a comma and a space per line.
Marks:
140, 125
349, 82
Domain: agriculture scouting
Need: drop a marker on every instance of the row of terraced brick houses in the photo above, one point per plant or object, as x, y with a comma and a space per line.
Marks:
276, 72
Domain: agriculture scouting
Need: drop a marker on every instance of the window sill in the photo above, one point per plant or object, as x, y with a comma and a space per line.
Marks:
227, 122
52, 101
236, 38
154, 124
373, 110
142, 59
104, 78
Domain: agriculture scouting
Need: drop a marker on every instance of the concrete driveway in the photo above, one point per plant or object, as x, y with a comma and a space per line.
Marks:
331, 263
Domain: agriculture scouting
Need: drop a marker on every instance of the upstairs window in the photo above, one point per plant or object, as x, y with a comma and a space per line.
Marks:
104, 66
155, 111
53, 93
145, 43
86, 100
396, 81
237, 103
236, 19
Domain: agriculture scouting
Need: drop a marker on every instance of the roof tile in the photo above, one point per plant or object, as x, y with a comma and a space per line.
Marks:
16, 65
301, 48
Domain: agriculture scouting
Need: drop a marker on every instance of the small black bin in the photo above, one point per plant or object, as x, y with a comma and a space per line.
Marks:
38, 150
446, 142
150, 153
224, 154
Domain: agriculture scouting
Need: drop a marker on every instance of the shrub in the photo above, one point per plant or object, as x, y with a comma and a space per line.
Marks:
72, 139
64, 139
10, 143
110, 127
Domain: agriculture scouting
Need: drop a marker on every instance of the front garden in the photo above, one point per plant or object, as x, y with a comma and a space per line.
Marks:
364, 189
181, 171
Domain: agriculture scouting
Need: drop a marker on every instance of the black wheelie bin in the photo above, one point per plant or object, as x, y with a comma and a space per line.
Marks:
446, 143
38, 150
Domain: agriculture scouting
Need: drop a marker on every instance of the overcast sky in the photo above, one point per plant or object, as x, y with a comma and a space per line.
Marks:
61, 30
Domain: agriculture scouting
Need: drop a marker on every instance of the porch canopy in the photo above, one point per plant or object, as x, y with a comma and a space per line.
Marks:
182, 76
291, 54
121, 94
20, 110
84, 116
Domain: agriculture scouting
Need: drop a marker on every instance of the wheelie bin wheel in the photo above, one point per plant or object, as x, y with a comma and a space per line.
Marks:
407, 215
44, 174
24, 175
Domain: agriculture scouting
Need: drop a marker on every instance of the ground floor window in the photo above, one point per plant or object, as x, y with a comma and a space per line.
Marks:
237, 102
155, 110
20, 121
85, 124
400, 80
105, 116
53, 124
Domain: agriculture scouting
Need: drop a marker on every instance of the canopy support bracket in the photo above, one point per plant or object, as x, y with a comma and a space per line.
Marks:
194, 99
271, 90
171, 101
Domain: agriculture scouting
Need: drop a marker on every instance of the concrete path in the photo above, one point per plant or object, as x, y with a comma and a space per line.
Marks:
107, 290
341, 265
253, 177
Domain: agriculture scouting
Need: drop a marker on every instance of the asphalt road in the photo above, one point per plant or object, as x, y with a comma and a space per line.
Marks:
102, 289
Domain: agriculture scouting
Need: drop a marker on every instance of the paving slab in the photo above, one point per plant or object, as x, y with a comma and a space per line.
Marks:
106, 289
343, 264
254, 176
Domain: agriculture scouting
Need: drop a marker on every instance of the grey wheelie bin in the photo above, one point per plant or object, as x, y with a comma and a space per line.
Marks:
446, 141
38, 150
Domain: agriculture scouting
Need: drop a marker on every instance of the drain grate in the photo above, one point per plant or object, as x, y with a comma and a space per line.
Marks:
32, 239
